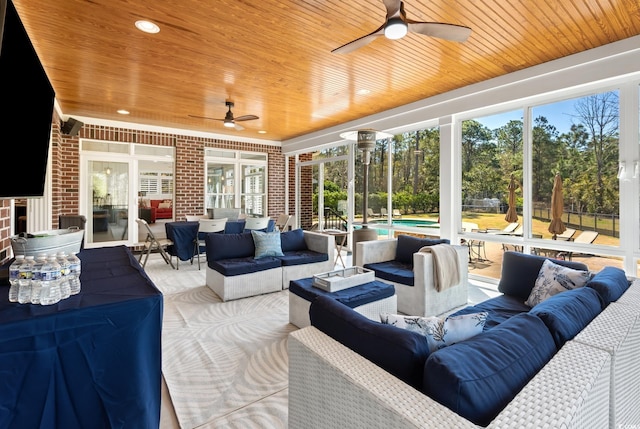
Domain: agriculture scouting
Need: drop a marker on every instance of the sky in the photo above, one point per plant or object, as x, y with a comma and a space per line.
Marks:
558, 114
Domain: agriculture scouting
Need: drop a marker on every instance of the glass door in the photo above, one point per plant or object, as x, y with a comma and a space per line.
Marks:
121, 182
109, 197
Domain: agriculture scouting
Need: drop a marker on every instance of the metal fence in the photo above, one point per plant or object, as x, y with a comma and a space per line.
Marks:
607, 224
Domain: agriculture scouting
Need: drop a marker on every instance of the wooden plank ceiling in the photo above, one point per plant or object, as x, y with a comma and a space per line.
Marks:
273, 58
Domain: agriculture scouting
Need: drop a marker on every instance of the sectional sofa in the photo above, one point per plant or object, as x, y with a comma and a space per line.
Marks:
569, 361
238, 267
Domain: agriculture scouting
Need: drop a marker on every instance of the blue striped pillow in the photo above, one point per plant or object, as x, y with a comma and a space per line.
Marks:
267, 244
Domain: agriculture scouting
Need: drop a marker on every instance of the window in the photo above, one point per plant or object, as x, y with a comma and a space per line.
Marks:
224, 168
154, 182
576, 139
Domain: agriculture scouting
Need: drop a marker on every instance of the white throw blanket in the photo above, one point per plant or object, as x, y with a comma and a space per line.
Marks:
446, 267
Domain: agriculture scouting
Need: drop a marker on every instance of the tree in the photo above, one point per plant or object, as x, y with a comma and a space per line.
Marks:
599, 115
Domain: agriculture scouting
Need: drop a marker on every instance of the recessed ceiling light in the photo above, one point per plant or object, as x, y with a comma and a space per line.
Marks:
123, 112
262, 132
363, 92
147, 26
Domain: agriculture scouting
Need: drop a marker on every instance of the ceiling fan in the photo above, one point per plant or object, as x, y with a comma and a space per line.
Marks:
397, 25
229, 120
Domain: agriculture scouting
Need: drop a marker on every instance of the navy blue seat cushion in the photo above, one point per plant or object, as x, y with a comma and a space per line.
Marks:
299, 257
499, 309
477, 378
393, 271
610, 283
520, 271
351, 297
292, 241
229, 246
239, 266
567, 313
398, 351
408, 245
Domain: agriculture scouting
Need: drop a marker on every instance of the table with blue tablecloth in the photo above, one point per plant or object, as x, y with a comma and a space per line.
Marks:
92, 360
183, 234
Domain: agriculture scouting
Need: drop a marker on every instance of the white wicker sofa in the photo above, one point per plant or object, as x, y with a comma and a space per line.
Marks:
593, 381
233, 272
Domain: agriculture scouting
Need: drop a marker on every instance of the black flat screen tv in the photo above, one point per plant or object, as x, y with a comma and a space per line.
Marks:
27, 100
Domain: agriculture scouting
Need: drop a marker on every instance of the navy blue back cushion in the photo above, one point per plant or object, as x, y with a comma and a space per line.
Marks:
397, 351
228, 246
520, 271
499, 309
408, 245
610, 283
477, 378
293, 240
567, 313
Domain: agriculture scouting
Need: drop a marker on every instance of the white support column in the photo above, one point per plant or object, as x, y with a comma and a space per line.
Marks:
450, 188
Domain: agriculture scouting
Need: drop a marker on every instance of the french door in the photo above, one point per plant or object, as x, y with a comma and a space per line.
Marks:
115, 179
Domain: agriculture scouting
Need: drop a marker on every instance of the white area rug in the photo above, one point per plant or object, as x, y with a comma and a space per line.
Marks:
225, 363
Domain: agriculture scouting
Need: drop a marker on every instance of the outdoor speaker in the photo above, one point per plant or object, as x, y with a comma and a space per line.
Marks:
71, 127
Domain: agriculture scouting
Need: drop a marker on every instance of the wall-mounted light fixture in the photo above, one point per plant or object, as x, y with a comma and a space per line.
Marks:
622, 170
625, 174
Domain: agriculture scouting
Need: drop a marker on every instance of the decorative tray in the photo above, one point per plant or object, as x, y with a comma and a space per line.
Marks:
334, 281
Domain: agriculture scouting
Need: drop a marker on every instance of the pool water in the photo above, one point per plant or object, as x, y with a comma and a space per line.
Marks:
410, 223
419, 223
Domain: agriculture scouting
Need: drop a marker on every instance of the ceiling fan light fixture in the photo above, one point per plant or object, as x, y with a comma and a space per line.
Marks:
229, 124
396, 28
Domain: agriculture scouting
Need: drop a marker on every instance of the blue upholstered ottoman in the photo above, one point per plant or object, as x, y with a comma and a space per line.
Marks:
369, 299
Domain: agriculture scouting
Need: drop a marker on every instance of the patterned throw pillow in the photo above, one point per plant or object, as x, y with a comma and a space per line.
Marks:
267, 244
439, 331
553, 279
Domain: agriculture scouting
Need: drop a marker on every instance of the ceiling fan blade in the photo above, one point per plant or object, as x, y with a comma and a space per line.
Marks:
359, 43
205, 117
246, 118
238, 127
393, 7
456, 33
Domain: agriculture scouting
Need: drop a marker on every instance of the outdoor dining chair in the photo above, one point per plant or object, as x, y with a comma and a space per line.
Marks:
257, 223
206, 226
282, 222
195, 218
152, 243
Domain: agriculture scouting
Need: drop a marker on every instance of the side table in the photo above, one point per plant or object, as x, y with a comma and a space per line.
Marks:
340, 240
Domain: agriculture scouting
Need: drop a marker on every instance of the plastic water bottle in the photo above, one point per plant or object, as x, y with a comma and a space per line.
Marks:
24, 280
65, 287
14, 276
36, 279
50, 282
75, 269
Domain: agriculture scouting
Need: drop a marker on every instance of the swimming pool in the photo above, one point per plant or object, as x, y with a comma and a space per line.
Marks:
418, 223
432, 226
